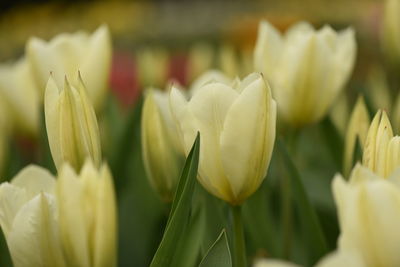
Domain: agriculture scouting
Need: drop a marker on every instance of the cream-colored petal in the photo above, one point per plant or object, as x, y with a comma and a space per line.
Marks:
342, 258
105, 232
34, 179
95, 67
383, 136
52, 117
208, 110
370, 142
268, 49
273, 263
72, 218
208, 77
244, 142
11, 200
392, 156
33, 240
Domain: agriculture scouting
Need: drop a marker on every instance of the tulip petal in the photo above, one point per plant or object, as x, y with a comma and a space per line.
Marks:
11, 200
245, 145
33, 240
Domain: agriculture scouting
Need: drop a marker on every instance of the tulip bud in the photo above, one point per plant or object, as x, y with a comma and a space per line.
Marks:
391, 31
87, 215
228, 61
356, 131
18, 90
306, 68
376, 145
153, 64
162, 154
237, 128
66, 54
71, 125
28, 218
369, 215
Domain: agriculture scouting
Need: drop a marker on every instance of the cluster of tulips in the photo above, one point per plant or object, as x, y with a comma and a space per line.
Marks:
220, 131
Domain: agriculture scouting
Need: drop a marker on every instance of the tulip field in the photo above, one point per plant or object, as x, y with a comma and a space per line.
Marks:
273, 143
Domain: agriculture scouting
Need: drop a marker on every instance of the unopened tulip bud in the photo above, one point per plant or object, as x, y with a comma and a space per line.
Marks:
237, 128
307, 69
66, 54
29, 221
71, 125
87, 216
376, 145
162, 154
357, 130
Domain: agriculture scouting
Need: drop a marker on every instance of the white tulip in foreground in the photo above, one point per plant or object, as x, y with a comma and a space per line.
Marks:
307, 69
66, 54
29, 220
88, 216
237, 128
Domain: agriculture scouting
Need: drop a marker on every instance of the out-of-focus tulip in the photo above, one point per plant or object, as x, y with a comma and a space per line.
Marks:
369, 215
378, 89
87, 216
357, 130
391, 31
228, 61
381, 151
19, 94
307, 69
28, 218
237, 128
66, 54
153, 64
162, 153
200, 59
71, 124
273, 263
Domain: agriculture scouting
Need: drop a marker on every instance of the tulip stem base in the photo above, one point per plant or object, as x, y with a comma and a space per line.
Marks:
239, 248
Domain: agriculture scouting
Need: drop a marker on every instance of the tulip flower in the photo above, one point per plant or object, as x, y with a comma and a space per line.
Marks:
162, 154
18, 90
307, 69
207, 77
87, 215
369, 215
29, 221
357, 130
66, 54
391, 31
71, 124
382, 150
237, 128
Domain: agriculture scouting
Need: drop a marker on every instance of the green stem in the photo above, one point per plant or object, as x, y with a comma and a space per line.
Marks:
239, 244
286, 216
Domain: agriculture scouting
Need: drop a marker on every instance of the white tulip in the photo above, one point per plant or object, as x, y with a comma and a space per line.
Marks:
66, 54
237, 128
307, 69
28, 218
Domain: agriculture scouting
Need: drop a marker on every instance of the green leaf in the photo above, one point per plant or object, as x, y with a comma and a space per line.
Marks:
218, 254
180, 211
311, 228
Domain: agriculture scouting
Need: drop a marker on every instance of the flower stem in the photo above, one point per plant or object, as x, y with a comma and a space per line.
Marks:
239, 244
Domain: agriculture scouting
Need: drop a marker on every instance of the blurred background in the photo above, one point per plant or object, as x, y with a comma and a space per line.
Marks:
155, 41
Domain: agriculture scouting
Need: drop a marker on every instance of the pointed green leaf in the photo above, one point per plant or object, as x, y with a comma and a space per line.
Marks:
180, 211
218, 254
310, 225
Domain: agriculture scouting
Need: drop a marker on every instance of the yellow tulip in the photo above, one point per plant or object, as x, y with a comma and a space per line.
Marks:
357, 130
369, 215
28, 218
391, 31
237, 128
71, 125
162, 154
307, 69
382, 150
87, 216
66, 54
18, 90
